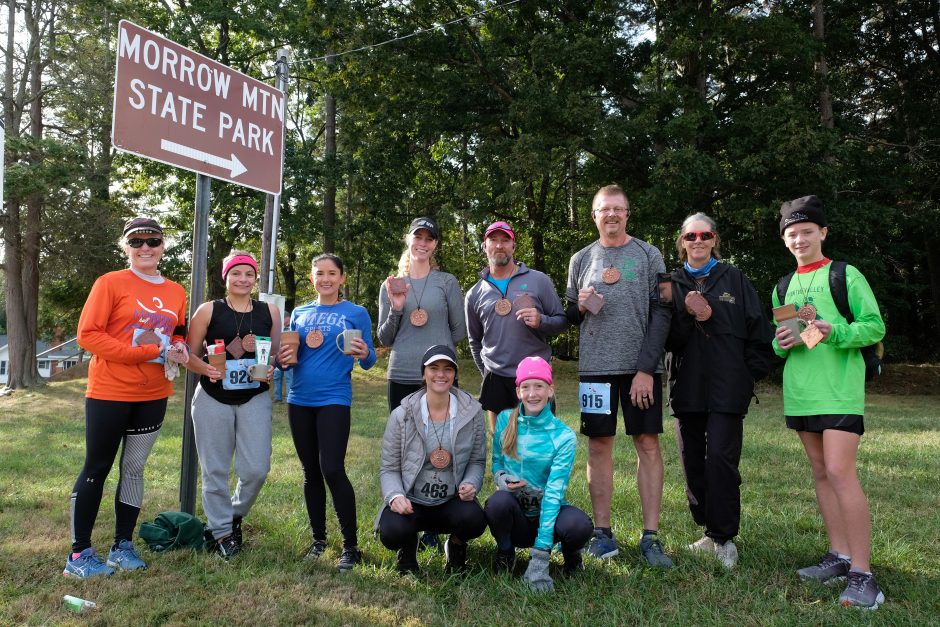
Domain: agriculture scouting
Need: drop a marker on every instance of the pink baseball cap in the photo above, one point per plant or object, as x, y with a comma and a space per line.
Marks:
500, 226
533, 368
239, 260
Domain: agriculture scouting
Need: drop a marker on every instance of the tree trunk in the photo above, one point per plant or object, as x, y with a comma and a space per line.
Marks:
572, 190
822, 68
932, 248
329, 194
535, 207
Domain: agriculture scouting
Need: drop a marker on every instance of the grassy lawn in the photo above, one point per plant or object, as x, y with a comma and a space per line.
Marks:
42, 448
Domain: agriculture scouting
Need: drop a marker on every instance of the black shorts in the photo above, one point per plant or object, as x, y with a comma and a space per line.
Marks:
636, 421
498, 393
852, 423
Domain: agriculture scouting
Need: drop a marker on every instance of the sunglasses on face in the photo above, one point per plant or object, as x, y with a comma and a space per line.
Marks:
152, 242
691, 236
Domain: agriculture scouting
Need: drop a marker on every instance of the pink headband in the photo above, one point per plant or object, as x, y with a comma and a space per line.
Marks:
239, 260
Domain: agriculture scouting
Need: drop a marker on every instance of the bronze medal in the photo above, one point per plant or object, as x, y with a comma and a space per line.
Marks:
611, 275
315, 338
806, 313
248, 343
235, 348
503, 306
148, 337
418, 317
524, 301
439, 458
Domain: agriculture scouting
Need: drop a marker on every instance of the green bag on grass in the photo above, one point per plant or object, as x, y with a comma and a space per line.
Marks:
173, 530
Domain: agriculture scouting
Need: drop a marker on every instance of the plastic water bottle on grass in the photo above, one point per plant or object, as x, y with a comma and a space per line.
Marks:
78, 605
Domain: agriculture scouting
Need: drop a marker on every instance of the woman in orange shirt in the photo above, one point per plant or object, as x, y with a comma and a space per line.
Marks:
134, 324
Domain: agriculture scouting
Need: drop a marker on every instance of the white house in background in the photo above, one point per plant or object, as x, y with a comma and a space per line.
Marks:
50, 359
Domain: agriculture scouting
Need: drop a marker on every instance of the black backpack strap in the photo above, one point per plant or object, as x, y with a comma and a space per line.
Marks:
839, 289
782, 286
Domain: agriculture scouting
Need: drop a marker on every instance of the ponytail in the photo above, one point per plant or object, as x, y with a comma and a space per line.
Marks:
510, 434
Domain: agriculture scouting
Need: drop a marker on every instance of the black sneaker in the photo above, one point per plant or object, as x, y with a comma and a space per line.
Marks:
456, 556
349, 558
408, 563
573, 563
237, 529
316, 550
504, 561
430, 541
228, 547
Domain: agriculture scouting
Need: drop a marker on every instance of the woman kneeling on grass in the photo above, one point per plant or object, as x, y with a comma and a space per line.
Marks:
231, 410
533, 454
433, 458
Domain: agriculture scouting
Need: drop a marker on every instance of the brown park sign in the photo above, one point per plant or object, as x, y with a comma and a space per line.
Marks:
182, 108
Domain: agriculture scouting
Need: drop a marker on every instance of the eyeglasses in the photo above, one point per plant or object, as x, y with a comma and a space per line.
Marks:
691, 236
152, 242
614, 210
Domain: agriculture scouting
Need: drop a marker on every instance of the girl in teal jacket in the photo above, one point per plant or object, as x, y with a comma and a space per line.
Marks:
533, 454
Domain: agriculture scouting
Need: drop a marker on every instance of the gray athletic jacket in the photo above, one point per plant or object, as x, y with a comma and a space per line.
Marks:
403, 446
499, 343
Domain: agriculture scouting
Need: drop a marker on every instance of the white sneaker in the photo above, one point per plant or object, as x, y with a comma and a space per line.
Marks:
727, 554
704, 545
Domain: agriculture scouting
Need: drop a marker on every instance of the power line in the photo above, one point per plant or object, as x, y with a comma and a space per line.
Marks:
417, 32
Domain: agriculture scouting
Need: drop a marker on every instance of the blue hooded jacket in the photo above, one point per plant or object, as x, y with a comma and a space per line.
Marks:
545, 448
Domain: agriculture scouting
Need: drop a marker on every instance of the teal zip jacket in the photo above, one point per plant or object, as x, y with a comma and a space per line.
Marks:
545, 447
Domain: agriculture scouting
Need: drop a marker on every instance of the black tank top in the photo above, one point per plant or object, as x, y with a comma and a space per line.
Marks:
223, 326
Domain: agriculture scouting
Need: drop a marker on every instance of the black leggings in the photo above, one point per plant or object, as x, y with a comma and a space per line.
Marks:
461, 519
512, 528
321, 435
108, 424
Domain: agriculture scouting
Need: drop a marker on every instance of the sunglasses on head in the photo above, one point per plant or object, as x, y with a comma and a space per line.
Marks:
153, 242
691, 236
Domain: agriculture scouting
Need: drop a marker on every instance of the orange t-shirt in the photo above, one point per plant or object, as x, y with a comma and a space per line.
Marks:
120, 305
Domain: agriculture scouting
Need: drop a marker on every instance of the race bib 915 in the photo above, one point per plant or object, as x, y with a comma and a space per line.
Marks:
595, 398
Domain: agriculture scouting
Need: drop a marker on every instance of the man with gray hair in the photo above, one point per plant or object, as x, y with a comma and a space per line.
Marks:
613, 294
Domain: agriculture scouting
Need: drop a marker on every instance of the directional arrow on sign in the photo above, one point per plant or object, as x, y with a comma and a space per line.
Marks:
233, 164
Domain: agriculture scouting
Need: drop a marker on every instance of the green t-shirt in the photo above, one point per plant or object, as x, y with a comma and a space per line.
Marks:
830, 379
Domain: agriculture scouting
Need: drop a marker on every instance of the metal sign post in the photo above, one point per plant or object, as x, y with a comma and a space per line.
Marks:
190, 458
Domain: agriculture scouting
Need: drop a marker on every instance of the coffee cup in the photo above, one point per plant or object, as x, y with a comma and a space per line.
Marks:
291, 339
344, 340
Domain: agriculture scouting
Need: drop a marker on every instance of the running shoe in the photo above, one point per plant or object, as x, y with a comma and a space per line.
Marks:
703, 545
727, 554
504, 561
228, 547
316, 550
862, 592
86, 565
123, 556
573, 563
408, 562
430, 541
456, 556
831, 568
237, 529
652, 550
349, 558
602, 546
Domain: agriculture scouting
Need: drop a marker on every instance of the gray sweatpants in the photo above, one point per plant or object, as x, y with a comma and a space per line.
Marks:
223, 431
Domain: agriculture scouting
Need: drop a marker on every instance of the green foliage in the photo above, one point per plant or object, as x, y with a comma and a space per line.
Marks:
520, 113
